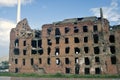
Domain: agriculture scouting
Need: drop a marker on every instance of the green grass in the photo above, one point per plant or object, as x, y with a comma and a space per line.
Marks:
57, 75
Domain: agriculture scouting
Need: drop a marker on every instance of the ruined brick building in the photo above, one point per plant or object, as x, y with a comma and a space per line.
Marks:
73, 46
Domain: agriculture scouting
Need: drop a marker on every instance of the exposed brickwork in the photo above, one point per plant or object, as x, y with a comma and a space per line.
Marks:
73, 46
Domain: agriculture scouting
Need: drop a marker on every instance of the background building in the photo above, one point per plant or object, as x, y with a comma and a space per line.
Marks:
74, 46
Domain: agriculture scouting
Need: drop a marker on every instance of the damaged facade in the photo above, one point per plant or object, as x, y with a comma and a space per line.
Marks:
73, 46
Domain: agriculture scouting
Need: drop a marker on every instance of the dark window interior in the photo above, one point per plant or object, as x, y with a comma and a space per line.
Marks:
112, 49
85, 39
67, 70
49, 42
57, 51
48, 61
66, 29
86, 49
87, 70
23, 61
34, 43
66, 40
16, 51
87, 62
95, 28
77, 50
24, 52
32, 61
67, 61
76, 30
112, 38
40, 61
39, 43
97, 59
57, 31
37, 34
97, 71
40, 51
49, 50
57, 40
85, 29
49, 31
24, 43
96, 50
16, 61
76, 40
113, 59
96, 38
67, 50
34, 52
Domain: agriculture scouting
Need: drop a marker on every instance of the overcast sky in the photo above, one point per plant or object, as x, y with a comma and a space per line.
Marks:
39, 12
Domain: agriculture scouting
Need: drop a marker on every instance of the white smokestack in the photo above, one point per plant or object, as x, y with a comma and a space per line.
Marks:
18, 11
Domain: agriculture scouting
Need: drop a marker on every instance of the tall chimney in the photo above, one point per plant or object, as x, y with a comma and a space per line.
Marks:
18, 10
101, 13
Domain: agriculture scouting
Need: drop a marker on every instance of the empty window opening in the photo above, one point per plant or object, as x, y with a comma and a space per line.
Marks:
57, 31
66, 29
85, 39
76, 30
16, 51
67, 50
87, 61
96, 38
67, 70
76, 60
96, 50
57, 61
97, 59
87, 70
16, 43
23, 61
113, 60
49, 42
57, 51
97, 71
34, 52
24, 43
16, 70
67, 61
77, 68
34, 43
86, 49
24, 52
112, 49
49, 31
40, 61
66, 40
39, 43
40, 51
85, 29
49, 50
57, 40
32, 61
95, 28
37, 34
48, 61
112, 38
76, 40
16, 61
77, 50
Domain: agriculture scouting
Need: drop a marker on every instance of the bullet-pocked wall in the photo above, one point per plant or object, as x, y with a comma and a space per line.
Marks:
73, 46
